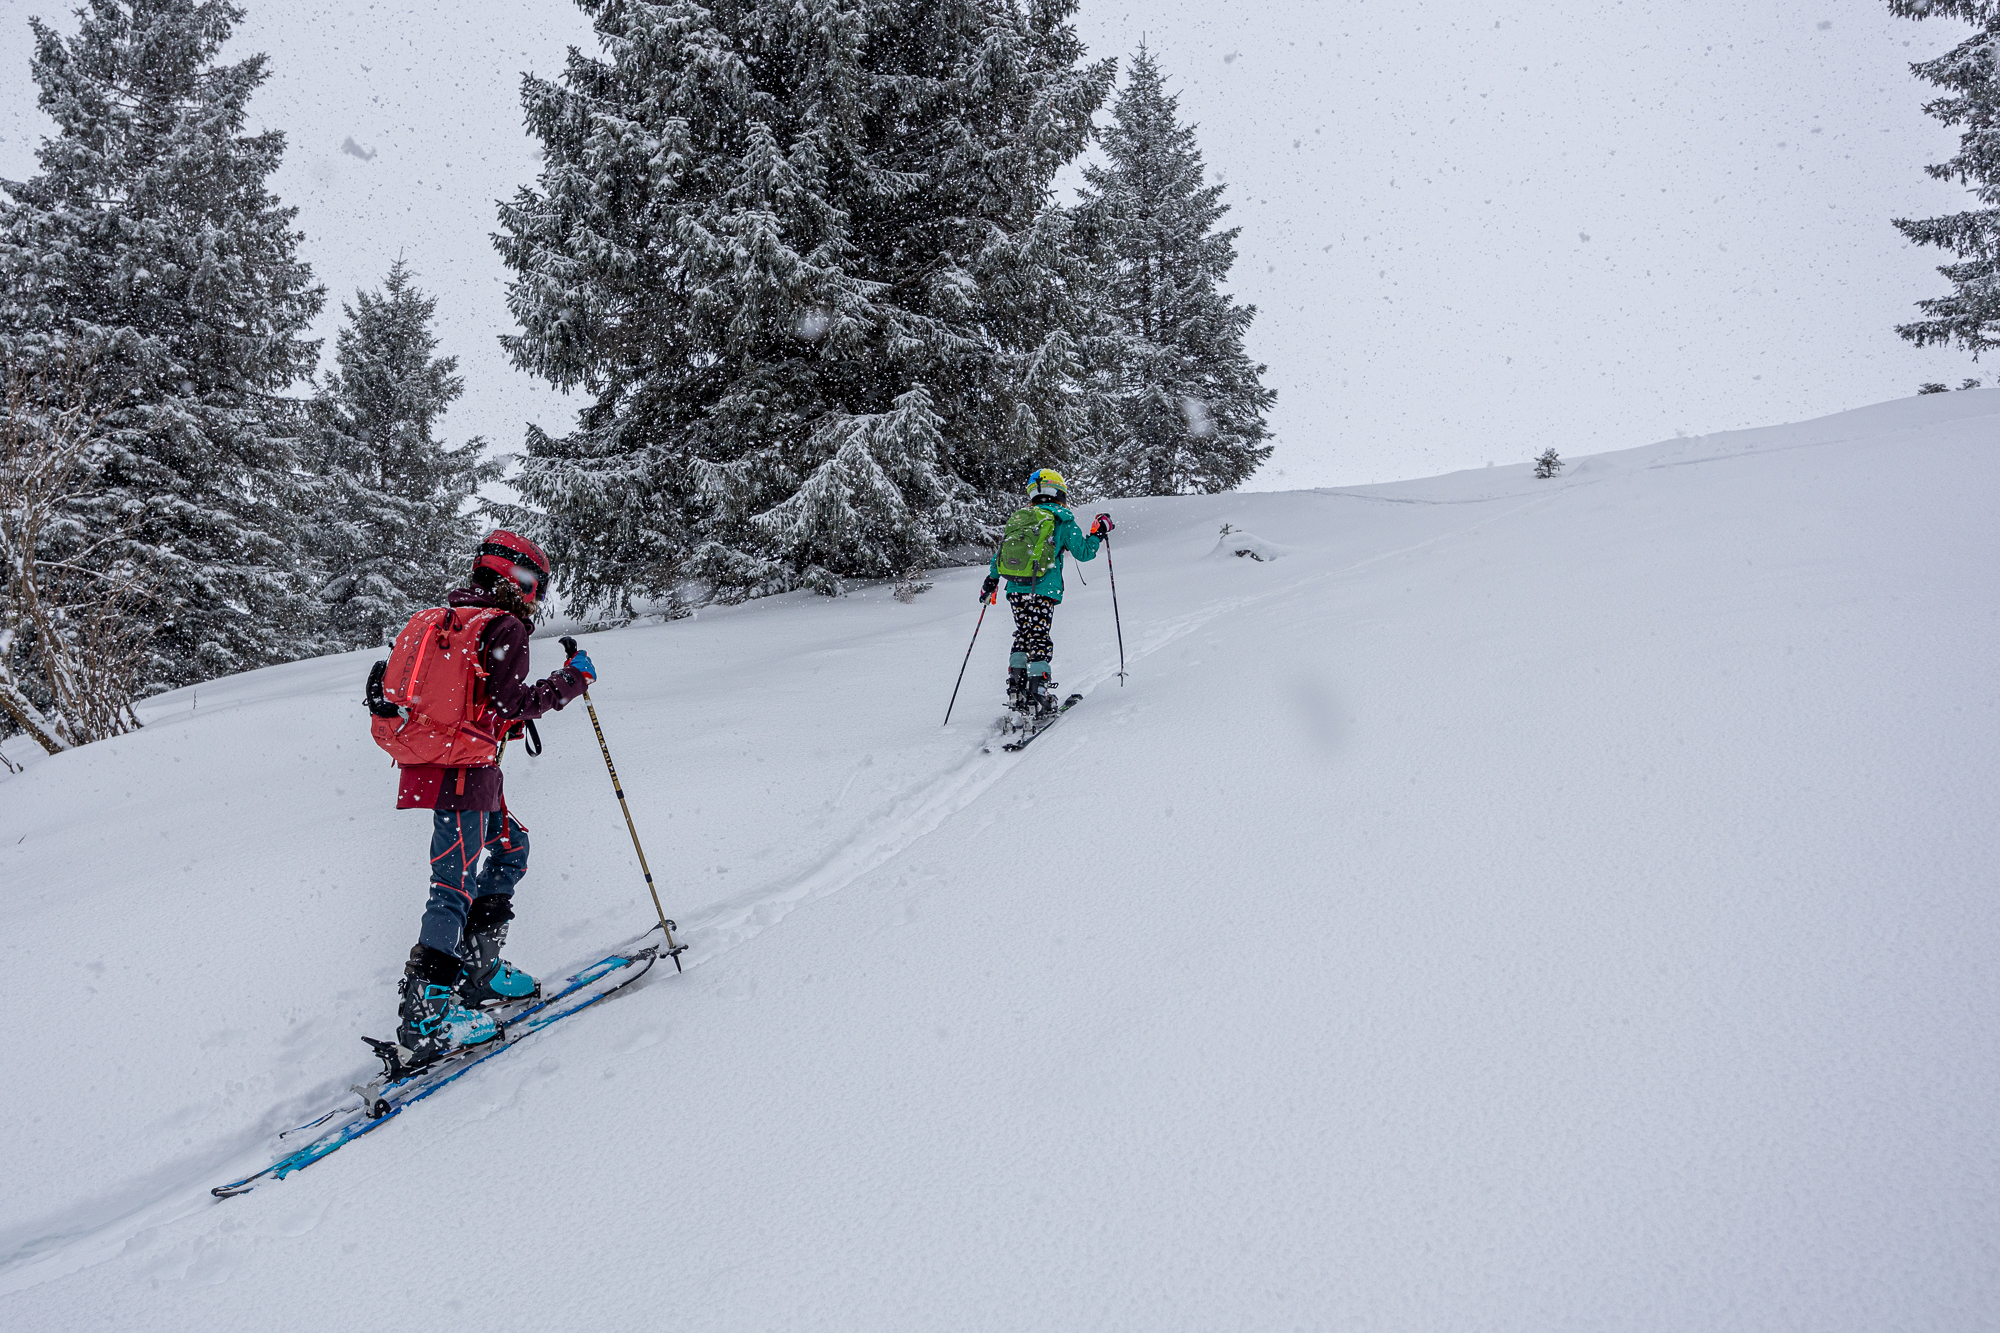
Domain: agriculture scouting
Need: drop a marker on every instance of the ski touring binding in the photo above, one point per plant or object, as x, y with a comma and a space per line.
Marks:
1028, 725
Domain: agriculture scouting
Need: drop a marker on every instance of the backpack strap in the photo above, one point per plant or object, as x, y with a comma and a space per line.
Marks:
476, 627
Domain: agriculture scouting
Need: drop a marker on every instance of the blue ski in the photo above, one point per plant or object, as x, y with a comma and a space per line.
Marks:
392, 1098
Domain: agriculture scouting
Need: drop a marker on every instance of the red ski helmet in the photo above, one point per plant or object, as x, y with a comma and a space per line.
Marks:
515, 558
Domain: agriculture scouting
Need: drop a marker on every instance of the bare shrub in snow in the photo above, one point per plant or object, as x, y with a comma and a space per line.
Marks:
73, 637
911, 584
1548, 464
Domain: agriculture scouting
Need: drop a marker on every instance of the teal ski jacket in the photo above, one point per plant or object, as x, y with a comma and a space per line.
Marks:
1069, 537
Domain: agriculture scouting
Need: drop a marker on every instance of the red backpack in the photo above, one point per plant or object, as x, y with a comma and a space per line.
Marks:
435, 675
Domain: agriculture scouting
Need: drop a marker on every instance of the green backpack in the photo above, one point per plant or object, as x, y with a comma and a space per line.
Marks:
1029, 547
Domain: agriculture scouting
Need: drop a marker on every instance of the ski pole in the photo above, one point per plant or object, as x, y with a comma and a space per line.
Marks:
1112, 569
674, 950
984, 602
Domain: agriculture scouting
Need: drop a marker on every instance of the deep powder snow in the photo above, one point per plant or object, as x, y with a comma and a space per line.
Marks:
1500, 904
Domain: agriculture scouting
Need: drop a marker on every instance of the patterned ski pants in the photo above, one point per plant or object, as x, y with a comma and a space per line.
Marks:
457, 838
1033, 614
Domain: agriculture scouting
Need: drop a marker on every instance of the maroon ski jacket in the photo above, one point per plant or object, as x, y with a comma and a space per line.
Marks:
504, 647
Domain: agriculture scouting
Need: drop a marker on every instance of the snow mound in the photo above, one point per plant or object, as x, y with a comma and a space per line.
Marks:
1238, 544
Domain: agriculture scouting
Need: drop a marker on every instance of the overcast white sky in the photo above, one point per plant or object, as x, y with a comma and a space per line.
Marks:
1474, 229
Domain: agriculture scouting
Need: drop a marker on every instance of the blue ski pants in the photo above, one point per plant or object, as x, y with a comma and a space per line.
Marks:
457, 838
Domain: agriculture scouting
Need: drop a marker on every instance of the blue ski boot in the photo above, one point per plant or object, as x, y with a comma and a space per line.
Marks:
433, 1021
489, 979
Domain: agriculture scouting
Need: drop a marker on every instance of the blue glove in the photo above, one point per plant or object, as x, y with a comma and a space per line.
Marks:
579, 659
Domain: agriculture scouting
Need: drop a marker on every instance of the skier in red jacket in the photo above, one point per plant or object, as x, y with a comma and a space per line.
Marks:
456, 966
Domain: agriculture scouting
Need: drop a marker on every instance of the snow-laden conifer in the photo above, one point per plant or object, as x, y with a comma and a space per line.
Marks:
1188, 403
801, 254
389, 530
149, 245
1970, 75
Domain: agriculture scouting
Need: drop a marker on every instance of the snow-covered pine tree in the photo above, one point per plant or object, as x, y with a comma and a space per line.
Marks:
1970, 75
802, 254
150, 246
389, 529
1188, 404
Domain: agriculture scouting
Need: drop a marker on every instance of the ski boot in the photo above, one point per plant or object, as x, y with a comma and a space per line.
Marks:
1041, 696
1017, 688
488, 978
433, 1022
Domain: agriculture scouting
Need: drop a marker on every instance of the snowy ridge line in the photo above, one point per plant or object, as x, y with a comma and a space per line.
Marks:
1877, 439
1404, 499
61, 1250
1859, 434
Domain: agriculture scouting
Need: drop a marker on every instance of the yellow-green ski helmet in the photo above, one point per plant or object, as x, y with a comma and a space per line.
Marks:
1047, 481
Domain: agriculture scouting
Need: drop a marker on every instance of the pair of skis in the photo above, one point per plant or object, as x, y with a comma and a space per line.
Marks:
395, 1090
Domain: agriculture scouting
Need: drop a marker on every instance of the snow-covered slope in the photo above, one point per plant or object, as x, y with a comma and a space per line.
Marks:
1501, 904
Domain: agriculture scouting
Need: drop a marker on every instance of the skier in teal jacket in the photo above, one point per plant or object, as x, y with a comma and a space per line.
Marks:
1033, 600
